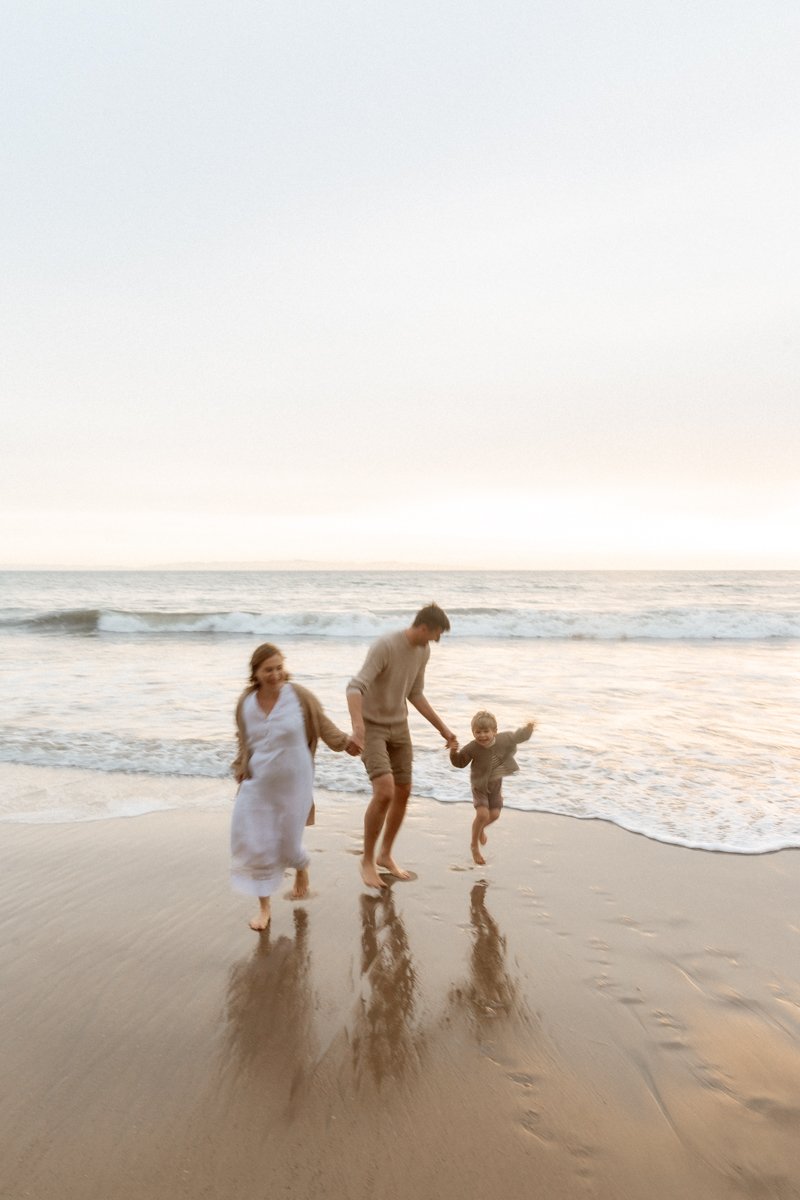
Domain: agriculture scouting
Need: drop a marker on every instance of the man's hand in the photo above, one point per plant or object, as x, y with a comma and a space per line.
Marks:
356, 740
451, 739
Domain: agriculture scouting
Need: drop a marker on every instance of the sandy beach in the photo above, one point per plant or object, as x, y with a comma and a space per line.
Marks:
591, 1014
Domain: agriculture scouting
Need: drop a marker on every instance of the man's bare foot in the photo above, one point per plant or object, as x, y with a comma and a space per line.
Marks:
370, 875
387, 862
260, 923
300, 889
477, 856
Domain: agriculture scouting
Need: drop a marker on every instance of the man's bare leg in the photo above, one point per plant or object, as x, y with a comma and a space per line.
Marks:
394, 819
300, 889
374, 817
260, 923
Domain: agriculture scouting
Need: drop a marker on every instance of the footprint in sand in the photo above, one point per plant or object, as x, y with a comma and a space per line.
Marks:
668, 1022
523, 1079
631, 923
728, 955
782, 1114
531, 1122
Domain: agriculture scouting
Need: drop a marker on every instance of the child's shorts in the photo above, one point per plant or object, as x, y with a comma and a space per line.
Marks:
492, 798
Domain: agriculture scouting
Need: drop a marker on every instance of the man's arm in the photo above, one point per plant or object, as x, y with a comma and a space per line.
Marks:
374, 663
355, 704
429, 713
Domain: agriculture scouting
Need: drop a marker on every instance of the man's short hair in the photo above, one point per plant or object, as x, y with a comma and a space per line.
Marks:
433, 617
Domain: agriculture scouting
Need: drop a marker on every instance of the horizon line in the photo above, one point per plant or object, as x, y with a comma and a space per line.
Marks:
290, 565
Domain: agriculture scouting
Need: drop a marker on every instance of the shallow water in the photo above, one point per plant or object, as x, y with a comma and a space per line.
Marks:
665, 702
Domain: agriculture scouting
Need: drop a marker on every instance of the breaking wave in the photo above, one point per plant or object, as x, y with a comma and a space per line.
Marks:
725, 622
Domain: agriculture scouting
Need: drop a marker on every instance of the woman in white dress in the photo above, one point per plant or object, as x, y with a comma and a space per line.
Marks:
278, 725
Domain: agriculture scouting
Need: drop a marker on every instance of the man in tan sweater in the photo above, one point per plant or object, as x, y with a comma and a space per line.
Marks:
393, 673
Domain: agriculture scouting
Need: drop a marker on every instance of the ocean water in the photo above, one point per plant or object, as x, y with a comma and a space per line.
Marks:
665, 702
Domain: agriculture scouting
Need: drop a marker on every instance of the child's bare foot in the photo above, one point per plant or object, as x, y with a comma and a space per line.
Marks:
300, 889
387, 862
261, 922
370, 876
476, 854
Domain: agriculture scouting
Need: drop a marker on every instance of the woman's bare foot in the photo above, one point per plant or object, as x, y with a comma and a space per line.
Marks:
477, 856
370, 876
300, 889
261, 922
387, 862
483, 838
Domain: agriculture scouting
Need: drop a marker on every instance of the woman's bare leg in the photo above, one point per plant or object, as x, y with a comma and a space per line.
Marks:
260, 923
300, 889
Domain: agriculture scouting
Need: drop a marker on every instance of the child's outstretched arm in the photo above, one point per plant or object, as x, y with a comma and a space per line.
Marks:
524, 732
462, 758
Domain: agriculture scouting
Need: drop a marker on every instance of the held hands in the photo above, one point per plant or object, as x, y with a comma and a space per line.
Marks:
450, 739
356, 740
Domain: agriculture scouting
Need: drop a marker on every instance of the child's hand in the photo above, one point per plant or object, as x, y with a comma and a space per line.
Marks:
531, 725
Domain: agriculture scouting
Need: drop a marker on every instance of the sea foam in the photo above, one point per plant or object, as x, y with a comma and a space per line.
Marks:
702, 623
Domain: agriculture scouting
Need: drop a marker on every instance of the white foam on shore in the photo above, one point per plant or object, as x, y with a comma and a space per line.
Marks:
53, 795
50, 795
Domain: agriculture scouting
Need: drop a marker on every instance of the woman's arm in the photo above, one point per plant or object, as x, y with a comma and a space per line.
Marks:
322, 726
239, 766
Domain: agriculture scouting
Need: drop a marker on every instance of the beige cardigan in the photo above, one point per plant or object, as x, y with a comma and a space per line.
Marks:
316, 723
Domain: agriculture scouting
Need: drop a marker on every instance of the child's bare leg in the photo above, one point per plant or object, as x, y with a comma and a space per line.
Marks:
260, 923
482, 818
300, 889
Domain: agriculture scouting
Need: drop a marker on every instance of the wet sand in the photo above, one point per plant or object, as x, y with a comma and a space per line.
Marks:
591, 1014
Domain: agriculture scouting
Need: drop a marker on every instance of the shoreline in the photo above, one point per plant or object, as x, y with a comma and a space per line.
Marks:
204, 793
584, 1015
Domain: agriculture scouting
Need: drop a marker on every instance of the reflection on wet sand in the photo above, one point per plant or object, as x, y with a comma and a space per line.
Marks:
384, 1044
489, 992
269, 1040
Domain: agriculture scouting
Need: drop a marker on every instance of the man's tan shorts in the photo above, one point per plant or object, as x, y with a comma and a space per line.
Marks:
387, 751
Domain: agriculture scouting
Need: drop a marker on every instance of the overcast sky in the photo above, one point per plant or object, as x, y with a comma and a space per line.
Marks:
458, 283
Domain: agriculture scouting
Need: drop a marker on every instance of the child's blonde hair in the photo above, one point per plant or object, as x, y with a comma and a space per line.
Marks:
484, 720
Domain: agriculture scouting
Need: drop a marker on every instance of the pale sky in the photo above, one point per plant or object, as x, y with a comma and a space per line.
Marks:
506, 283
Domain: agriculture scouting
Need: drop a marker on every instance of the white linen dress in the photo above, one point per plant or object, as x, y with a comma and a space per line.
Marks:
271, 807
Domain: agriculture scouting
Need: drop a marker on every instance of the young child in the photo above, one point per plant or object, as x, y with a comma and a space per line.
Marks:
491, 757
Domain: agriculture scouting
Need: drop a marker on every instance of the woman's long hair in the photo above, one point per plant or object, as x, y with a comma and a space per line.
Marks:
260, 655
